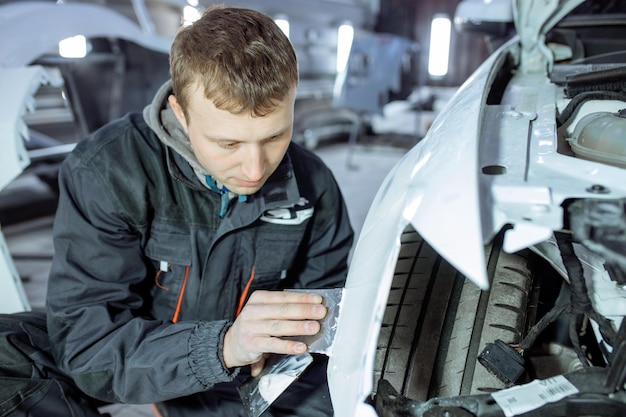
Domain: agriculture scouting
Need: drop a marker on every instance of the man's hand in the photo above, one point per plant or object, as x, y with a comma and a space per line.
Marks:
267, 316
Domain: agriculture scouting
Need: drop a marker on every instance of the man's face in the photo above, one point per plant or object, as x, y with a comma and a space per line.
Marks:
239, 150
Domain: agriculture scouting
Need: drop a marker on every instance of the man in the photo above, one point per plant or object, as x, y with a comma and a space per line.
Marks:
177, 229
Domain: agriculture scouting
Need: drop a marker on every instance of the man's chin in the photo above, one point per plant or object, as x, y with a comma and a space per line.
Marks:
239, 190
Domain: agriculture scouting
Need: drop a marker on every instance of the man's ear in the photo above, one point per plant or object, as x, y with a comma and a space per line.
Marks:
178, 111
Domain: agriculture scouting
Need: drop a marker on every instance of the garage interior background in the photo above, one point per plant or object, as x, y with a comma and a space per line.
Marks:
388, 64
117, 76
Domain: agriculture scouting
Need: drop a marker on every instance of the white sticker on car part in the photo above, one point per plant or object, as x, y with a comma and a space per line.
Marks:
521, 399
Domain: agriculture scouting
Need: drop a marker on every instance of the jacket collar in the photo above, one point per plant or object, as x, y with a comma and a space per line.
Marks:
281, 189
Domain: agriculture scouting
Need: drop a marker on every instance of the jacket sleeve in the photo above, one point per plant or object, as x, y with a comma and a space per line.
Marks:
324, 253
98, 328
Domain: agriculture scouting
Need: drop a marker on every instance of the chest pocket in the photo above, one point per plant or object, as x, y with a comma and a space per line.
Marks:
275, 258
171, 255
282, 230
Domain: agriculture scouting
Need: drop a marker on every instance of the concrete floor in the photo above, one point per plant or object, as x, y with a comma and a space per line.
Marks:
359, 171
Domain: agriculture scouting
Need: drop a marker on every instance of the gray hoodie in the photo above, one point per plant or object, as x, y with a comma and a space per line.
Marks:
162, 120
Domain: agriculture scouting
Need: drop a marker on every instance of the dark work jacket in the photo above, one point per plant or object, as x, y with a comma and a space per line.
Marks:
146, 276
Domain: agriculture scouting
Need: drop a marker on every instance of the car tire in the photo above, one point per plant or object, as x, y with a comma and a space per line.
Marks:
437, 321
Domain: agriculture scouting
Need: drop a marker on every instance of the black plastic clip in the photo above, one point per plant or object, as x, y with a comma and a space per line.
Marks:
503, 361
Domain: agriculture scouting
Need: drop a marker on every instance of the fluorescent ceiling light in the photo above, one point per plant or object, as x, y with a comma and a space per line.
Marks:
283, 24
74, 47
345, 35
190, 15
439, 52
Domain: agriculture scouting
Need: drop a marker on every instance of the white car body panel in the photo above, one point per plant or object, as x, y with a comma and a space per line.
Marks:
443, 177
55, 22
20, 84
404, 199
31, 29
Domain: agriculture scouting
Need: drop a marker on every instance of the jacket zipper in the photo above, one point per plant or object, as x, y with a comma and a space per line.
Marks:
179, 302
244, 294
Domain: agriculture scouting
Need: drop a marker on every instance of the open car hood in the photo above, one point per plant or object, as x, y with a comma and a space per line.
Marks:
533, 19
536, 17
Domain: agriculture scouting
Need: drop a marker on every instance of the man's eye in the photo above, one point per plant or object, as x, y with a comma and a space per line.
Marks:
228, 145
274, 138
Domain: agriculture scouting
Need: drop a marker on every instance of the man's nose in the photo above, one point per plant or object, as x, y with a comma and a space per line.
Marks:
253, 166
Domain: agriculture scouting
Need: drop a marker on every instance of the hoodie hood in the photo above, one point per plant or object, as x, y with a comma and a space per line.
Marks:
162, 120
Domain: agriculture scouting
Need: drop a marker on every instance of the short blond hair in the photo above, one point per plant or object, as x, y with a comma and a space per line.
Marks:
241, 58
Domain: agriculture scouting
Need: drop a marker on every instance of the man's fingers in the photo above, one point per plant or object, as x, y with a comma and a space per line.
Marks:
279, 328
265, 319
281, 346
290, 328
294, 348
285, 297
285, 311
